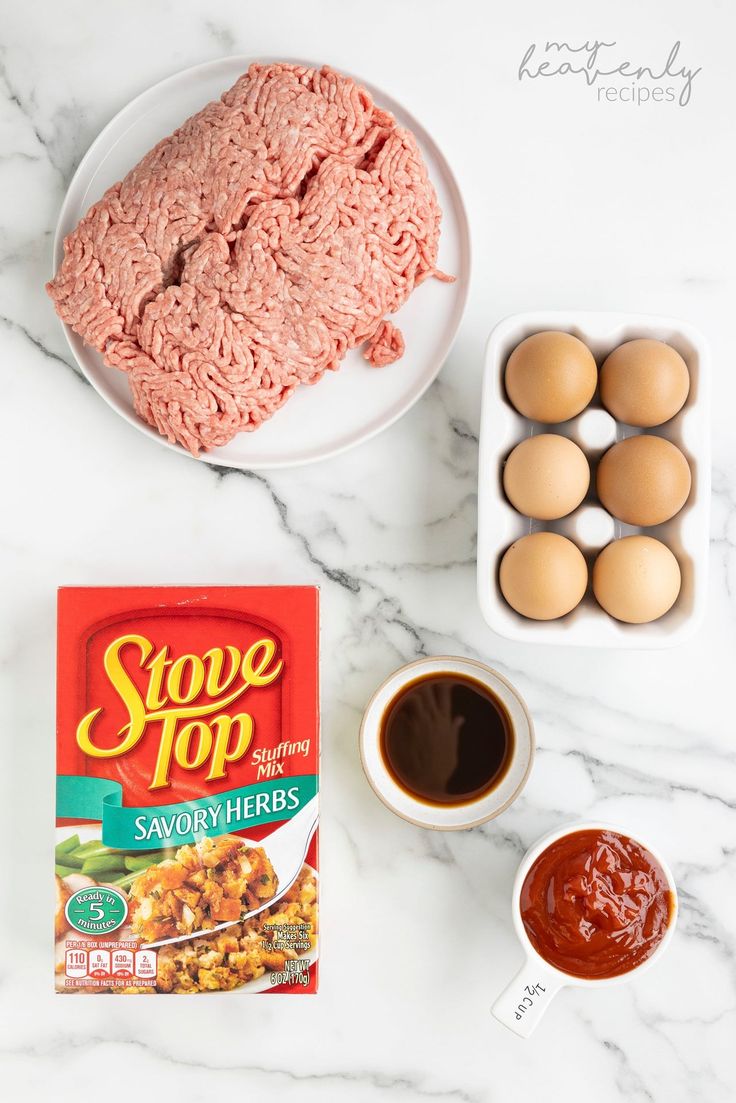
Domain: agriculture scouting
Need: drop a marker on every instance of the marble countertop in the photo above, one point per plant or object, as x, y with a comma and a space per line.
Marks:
575, 201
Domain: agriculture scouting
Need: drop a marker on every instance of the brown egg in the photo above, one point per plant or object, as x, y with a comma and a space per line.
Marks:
543, 576
643, 480
644, 383
636, 579
551, 376
546, 476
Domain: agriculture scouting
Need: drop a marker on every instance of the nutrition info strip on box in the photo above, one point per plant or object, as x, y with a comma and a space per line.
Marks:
91, 964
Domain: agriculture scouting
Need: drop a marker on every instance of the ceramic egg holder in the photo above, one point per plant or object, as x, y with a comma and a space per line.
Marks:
590, 526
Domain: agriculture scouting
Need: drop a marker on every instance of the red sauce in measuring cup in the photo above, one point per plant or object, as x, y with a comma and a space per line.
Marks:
596, 904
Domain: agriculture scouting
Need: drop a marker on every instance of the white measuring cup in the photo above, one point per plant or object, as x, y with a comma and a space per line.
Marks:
523, 1002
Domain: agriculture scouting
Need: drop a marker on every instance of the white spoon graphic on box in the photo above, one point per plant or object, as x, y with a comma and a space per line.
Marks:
286, 849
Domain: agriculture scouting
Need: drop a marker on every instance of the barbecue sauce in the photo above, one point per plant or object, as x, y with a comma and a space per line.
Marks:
596, 904
446, 739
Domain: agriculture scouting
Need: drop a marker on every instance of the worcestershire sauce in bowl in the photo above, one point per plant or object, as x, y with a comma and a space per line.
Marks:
446, 739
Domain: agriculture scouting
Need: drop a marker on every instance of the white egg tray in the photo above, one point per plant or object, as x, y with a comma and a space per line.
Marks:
590, 526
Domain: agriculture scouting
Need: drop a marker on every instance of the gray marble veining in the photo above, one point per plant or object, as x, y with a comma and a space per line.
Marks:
572, 202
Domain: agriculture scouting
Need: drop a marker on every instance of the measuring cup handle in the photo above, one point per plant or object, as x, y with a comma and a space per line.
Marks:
523, 1002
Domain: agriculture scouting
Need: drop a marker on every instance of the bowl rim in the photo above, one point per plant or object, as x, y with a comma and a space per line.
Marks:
369, 730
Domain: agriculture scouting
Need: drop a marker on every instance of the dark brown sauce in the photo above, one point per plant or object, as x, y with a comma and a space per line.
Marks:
446, 739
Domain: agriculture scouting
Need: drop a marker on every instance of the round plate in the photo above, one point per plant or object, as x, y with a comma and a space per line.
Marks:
345, 407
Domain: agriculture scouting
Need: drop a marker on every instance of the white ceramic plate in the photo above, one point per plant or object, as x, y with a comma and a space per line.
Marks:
345, 407
87, 832
590, 527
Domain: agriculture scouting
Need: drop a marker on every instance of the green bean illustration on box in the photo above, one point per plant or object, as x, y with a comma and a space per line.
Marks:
103, 863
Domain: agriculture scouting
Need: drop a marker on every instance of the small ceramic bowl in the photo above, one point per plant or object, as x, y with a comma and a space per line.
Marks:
523, 1002
447, 817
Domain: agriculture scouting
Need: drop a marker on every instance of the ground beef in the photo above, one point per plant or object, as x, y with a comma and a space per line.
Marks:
247, 252
385, 346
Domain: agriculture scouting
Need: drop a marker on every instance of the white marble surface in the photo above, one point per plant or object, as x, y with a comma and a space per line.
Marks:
573, 203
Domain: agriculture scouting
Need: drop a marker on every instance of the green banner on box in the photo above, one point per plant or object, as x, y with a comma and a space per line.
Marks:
94, 798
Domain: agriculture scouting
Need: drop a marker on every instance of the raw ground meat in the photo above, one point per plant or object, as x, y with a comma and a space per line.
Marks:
385, 346
247, 252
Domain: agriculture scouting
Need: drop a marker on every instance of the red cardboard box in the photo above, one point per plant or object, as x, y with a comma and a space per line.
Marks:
187, 789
